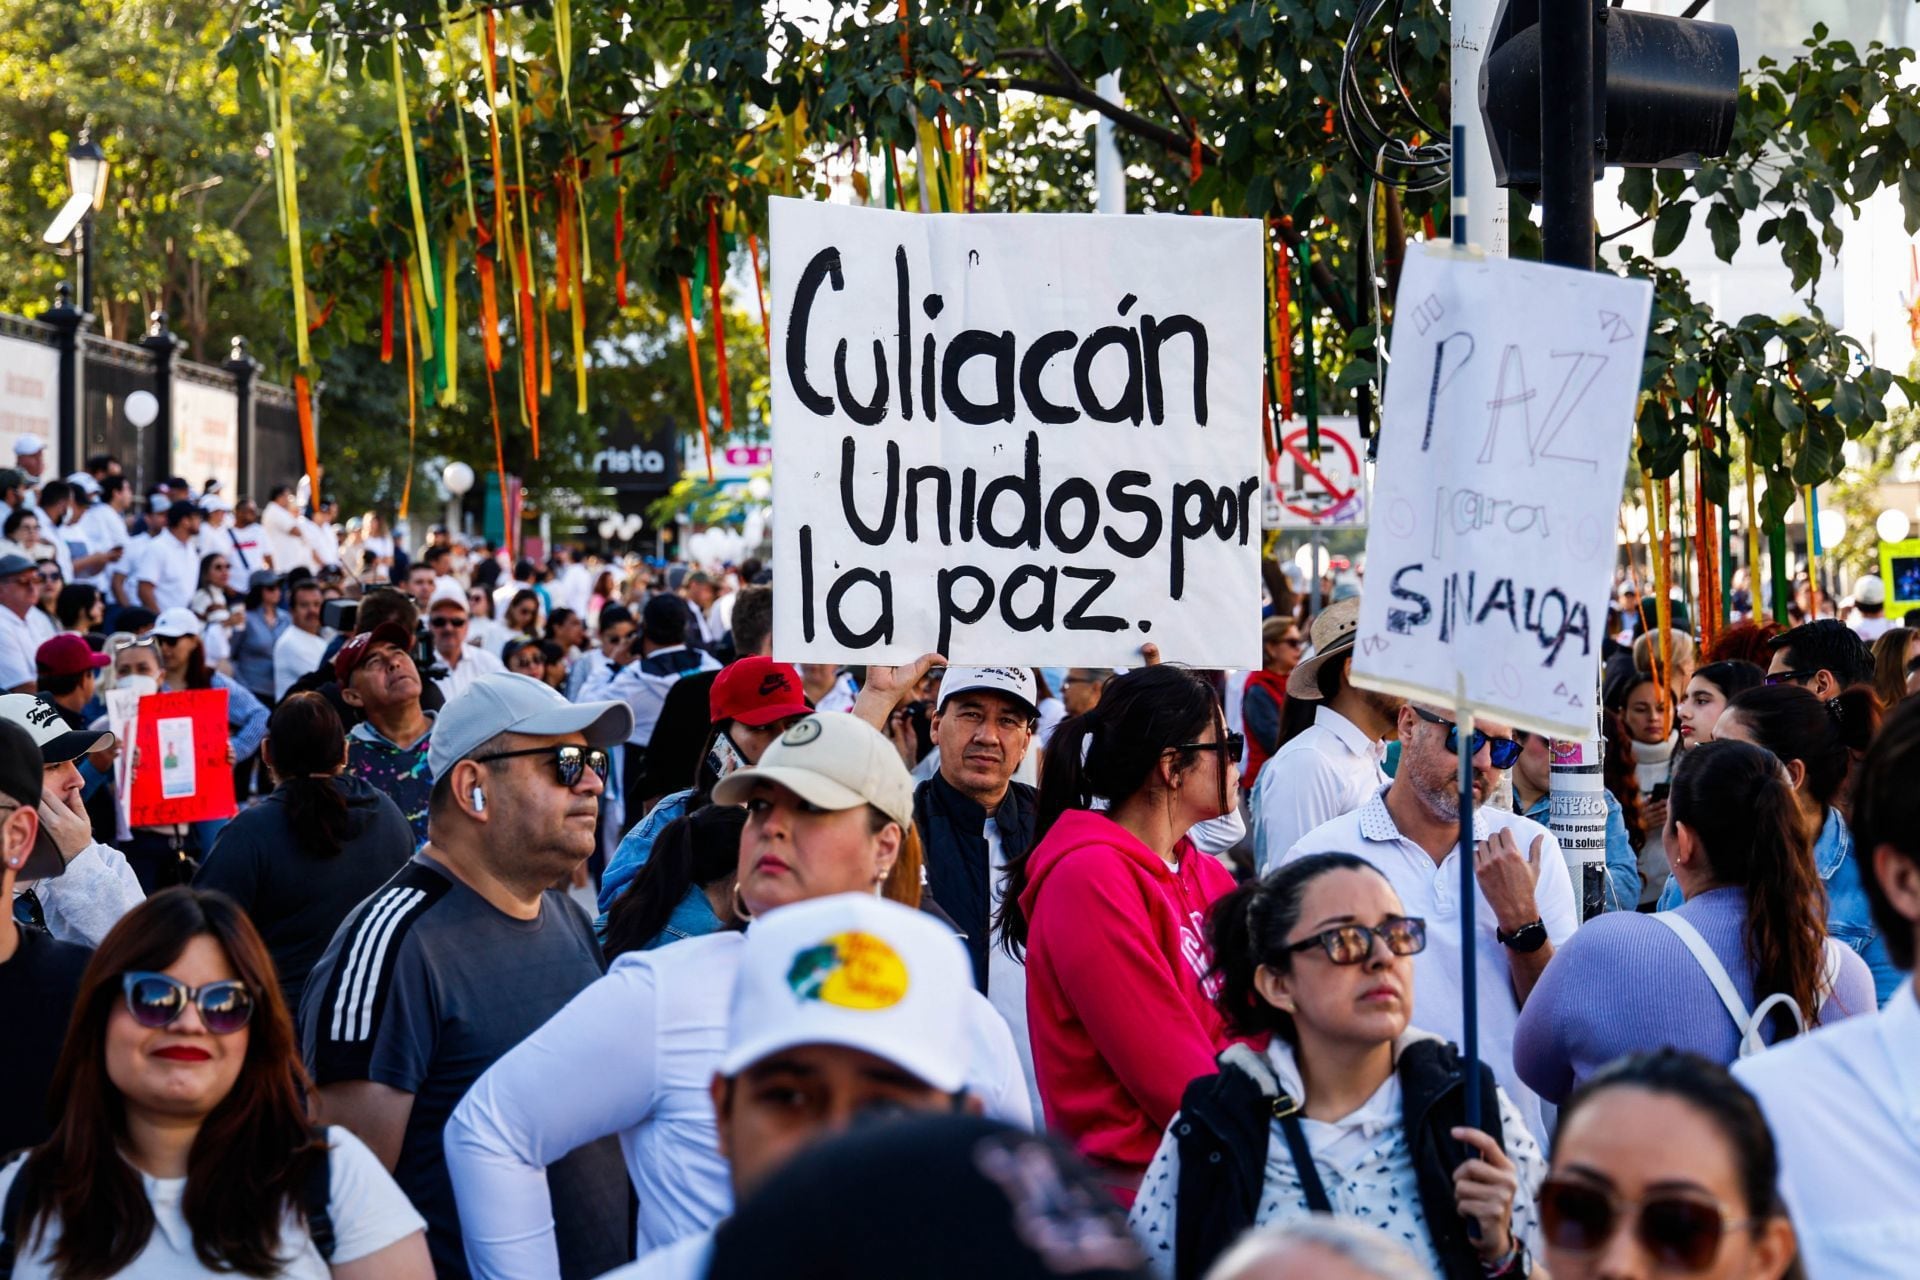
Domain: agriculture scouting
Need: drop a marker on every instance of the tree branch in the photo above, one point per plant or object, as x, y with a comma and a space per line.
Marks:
1630, 227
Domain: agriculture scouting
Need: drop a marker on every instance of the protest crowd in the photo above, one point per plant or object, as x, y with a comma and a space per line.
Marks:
555, 928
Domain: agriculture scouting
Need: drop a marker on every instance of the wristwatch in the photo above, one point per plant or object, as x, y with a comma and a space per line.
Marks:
1527, 939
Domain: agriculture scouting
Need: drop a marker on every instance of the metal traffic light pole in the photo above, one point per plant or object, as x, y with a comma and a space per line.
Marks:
1569, 140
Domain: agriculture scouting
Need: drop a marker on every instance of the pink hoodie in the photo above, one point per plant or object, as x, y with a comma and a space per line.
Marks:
1116, 954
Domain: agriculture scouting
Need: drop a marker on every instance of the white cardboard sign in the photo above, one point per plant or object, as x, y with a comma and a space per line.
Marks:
1503, 447
1015, 438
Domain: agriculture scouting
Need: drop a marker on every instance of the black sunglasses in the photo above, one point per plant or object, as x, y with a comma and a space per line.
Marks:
156, 1000
1353, 943
571, 761
1680, 1231
1502, 751
1788, 677
445, 623
1234, 744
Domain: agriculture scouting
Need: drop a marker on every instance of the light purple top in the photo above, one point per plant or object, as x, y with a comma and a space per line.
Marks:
1626, 983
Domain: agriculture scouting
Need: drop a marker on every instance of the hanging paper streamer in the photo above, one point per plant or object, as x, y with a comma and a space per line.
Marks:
1283, 329
719, 321
546, 353
693, 362
450, 317
760, 292
499, 458
386, 313
489, 306
529, 378
422, 322
619, 222
579, 302
459, 108
1810, 503
422, 263
413, 395
309, 448
296, 256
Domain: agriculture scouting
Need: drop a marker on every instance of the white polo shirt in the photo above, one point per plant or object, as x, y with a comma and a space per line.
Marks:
1329, 769
17, 649
104, 529
1432, 892
173, 567
474, 663
1844, 1107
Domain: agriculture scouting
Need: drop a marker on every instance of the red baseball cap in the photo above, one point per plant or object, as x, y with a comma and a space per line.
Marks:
355, 651
757, 691
68, 654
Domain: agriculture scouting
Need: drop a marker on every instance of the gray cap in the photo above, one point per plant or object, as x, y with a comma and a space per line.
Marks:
509, 703
13, 562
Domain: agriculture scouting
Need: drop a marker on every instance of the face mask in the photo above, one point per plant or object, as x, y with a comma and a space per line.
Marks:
142, 685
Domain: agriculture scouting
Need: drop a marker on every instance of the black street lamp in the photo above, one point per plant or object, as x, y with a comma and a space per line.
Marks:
87, 188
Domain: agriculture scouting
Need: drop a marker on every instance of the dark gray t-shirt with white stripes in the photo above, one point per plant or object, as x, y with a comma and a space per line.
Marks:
422, 988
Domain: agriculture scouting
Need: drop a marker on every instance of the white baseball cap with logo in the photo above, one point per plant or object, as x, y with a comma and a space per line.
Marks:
1015, 682
831, 759
860, 972
27, 445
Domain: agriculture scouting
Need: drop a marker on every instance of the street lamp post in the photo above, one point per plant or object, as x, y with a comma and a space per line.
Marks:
87, 192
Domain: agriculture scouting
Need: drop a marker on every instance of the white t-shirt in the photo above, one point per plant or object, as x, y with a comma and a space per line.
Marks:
17, 648
1007, 975
295, 654
368, 1210
129, 566
474, 663
105, 529
640, 1048
173, 567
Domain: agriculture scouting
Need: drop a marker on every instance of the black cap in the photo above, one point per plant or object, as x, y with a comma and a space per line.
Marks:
941, 1197
21, 780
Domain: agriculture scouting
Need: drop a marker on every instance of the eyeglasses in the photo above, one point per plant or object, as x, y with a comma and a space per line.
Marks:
1681, 1231
1353, 943
570, 760
1292, 642
444, 623
1234, 745
1788, 677
167, 642
1502, 751
156, 1000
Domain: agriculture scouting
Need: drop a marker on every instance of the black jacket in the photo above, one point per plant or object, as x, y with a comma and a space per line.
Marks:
1226, 1122
953, 832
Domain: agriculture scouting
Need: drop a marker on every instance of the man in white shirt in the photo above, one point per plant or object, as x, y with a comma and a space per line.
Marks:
246, 539
170, 567
447, 618
320, 535
1524, 906
280, 521
105, 526
572, 585
1333, 765
301, 646
153, 525
852, 1065
19, 589
30, 456
1844, 1101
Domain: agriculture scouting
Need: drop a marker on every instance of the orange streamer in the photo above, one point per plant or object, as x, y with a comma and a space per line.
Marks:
719, 321
386, 313
413, 396
489, 309
760, 292
309, 449
693, 362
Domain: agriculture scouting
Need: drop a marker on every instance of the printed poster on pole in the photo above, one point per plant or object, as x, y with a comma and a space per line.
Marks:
1503, 452
1016, 438
1325, 492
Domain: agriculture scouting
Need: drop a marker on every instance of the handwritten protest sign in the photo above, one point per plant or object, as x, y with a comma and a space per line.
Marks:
1015, 438
182, 773
1502, 454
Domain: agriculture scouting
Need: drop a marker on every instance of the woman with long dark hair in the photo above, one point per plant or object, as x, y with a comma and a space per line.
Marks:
1315, 960
698, 851
183, 1144
300, 860
1641, 709
1896, 661
1818, 743
265, 622
1753, 923
1107, 908
1664, 1165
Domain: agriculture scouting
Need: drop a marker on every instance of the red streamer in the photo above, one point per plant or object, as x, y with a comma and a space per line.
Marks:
489, 309
619, 222
760, 292
386, 314
719, 321
693, 362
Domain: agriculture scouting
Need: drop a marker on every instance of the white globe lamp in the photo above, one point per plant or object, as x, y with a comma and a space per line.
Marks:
458, 478
1893, 525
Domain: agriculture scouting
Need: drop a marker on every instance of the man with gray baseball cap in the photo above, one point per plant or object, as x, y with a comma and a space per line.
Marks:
468, 950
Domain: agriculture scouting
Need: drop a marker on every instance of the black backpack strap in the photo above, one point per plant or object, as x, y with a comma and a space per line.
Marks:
316, 1202
1287, 1111
1222, 1132
11, 1228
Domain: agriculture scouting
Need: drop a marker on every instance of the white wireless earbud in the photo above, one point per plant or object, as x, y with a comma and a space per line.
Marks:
479, 800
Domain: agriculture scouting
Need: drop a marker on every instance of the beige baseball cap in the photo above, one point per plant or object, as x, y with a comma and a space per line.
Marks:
834, 760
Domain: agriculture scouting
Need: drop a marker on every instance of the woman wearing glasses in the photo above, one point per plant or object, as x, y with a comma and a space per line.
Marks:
1753, 924
184, 655
1348, 1110
1265, 701
182, 1145
1107, 908
1664, 1166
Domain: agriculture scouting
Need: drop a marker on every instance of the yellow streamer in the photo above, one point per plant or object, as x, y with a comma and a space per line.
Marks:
450, 315
421, 262
272, 95
459, 111
519, 159
421, 322
580, 217
563, 49
296, 256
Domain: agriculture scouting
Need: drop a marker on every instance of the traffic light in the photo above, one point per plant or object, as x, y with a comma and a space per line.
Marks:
1664, 90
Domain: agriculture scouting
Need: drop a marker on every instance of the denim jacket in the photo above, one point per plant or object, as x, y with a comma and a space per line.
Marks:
1849, 918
